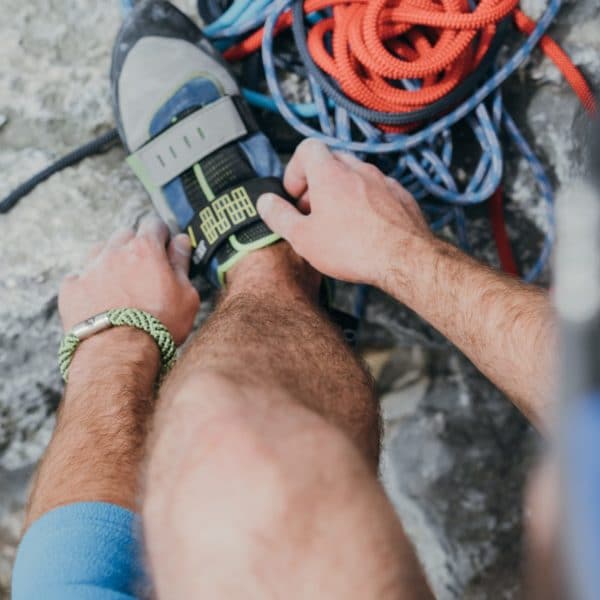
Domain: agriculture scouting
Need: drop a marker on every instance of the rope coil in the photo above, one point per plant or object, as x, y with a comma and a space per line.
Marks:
379, 63
376, 48
391, 79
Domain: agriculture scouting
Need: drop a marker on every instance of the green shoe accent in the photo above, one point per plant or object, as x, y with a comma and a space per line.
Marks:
242, 251
203, 183
257, 245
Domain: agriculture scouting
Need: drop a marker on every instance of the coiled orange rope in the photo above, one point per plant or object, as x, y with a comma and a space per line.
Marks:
376, 43
368, 46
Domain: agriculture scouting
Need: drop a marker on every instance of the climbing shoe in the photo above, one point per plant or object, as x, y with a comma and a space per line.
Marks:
192, 139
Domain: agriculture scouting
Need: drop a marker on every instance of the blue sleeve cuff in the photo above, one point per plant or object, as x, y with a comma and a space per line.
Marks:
88, 551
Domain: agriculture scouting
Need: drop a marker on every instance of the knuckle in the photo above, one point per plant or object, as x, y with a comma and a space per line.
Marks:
359, 183
309, 144
411, 199
126, 233
393, 183
371, 170
141, 246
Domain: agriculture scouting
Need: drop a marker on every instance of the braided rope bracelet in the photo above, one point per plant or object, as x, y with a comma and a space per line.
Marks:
117, 317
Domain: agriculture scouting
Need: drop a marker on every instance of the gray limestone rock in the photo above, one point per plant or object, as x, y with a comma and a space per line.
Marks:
455, 454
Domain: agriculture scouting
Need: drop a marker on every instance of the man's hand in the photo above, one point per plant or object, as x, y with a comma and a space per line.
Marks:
97, 447
351, 219
353, 223
135, 271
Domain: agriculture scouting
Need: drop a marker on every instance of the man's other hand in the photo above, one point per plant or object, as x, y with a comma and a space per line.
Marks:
351, 221
142, 270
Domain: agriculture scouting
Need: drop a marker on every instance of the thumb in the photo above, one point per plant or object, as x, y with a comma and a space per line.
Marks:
179, 253
281, 216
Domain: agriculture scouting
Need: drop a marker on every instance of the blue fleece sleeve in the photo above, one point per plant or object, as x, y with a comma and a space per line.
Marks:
87, 551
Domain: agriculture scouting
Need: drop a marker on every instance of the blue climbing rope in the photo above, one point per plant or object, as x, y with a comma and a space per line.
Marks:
422, 160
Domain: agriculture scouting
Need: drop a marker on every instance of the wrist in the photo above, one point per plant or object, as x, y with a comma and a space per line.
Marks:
408, 263
115, 353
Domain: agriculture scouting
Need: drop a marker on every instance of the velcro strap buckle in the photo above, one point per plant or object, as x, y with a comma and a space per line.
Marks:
188, 141
233, 210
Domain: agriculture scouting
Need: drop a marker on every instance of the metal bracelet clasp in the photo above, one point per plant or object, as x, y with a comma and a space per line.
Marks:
91, 326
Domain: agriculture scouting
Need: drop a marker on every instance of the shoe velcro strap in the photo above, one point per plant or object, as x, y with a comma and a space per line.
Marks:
188, 141
234, 209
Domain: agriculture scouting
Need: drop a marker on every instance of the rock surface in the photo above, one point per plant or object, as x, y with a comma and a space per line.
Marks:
456, 453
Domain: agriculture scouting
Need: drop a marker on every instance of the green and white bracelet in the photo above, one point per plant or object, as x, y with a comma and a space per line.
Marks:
117, 317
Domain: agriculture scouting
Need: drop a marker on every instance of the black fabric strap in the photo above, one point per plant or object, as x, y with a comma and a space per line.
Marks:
246, 114
231, 211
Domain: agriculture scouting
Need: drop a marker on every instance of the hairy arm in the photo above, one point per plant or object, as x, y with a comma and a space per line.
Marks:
97, 446
355, 224
507, 328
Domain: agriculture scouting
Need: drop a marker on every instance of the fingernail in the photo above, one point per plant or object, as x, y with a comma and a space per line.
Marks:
152, 224
150, 218
182, 244
264, 202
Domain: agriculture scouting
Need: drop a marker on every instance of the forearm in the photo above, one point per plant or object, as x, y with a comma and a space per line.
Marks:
357, 225
97, 446
505, 327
